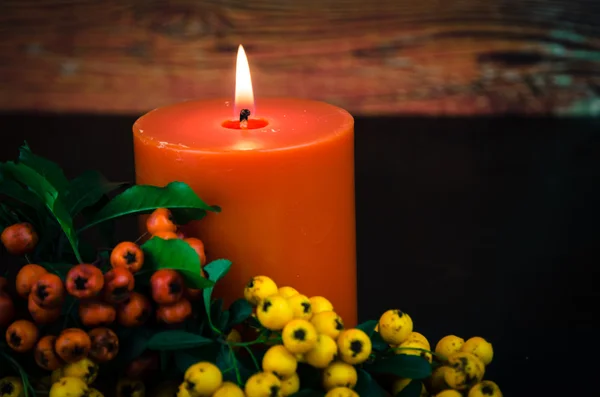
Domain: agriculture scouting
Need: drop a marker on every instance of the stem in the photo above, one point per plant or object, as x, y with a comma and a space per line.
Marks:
215, 329
246, 344
52, 268
252, 357
233, 359
27, 258
141, 237
24, 378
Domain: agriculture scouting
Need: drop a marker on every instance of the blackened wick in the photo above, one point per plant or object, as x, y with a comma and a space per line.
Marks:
244, 114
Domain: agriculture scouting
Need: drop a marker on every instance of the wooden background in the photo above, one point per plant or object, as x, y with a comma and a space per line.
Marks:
430, 57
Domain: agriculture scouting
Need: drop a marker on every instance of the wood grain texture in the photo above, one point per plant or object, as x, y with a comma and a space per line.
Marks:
393, 56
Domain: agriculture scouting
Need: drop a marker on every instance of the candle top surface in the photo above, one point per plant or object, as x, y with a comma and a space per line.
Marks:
199, 125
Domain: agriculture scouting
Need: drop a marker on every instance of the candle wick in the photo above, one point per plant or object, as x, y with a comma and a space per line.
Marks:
244, 114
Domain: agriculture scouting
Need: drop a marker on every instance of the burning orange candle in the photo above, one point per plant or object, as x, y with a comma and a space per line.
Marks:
283, 174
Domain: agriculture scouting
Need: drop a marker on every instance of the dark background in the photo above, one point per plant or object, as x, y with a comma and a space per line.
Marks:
475, 226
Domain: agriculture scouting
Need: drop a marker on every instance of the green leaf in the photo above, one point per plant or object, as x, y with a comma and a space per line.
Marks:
223, 321
254, 323
402, 365
367, 386
378, 343
39, 185
219, 316
368, 327
17, 192
176, 340
87, 189
224, 359
5, 215
239, 311
164, 360
106, 230
133, 342
142, 199
48, 169
184, 360
215, 270
60, 269
27, 206
216, 311
413, 389
182, 216
228, 363
189, 357
175, 254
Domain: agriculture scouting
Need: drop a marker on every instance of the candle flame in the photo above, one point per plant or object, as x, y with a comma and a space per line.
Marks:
244, 96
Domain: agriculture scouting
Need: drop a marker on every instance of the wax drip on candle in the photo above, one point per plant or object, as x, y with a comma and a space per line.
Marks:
244, 114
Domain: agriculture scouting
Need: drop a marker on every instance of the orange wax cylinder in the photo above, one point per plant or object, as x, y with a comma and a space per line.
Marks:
285, 185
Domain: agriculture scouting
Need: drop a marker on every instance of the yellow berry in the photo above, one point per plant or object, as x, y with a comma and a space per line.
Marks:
324, 352
94, 393
279, 361
130, 388
263, 384
234, 336
437, 381
328, 323
84, 369
411, 348
419, 337
479, 347
287, 292
274, 312
341, 392
339, 374
449, 393
69, 387
203, 379
448, 345
486, 388
299, 336
182, 391
229, 389
56, 375
290, 385
401, 383
258, 288
11, 386
354, 346
466, 370
320, 304
395, 326
301, 306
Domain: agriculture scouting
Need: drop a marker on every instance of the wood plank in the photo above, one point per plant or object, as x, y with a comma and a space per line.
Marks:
409, 56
